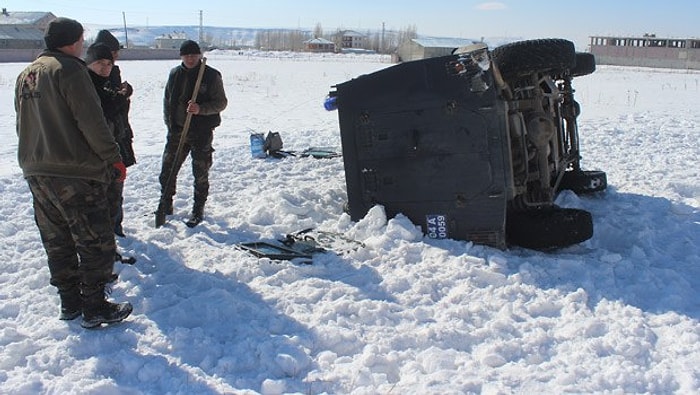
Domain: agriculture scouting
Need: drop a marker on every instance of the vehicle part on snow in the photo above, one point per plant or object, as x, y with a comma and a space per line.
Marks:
263, 249
302, 245
270, 146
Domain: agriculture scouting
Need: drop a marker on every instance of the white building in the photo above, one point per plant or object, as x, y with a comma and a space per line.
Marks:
422, 48
170, 41
23, 30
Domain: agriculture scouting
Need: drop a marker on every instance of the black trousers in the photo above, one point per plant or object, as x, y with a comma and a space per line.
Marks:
198, 144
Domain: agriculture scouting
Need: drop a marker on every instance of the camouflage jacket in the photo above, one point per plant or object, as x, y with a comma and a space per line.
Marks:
62, 131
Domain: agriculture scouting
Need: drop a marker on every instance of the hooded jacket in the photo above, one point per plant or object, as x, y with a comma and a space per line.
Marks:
178, 91
62, 131
115, 106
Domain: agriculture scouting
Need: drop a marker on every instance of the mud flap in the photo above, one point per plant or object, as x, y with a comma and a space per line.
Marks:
548, 228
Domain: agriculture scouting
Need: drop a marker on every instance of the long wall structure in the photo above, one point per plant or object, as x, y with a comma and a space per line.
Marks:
647, 51
27, 55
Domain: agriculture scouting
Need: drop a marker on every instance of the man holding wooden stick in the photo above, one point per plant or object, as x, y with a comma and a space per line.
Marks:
194, 98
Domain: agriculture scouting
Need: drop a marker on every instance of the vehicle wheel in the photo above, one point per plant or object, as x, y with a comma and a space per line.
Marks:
584, 181
527, 57
585, 64
548, 228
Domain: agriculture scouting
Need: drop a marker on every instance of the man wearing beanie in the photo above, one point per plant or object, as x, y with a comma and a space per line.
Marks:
114, 103
107, 38
68, 156
123, 133
97, 52
63, 32
211, 100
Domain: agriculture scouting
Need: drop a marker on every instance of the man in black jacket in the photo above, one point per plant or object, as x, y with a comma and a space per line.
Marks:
210, 101
123, 133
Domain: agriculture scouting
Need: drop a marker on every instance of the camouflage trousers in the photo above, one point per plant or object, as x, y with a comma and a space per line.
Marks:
115, 197
73, 219
198, 144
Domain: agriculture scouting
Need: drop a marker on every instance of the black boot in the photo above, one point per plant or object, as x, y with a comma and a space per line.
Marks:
97, 310
196, 217
129, 260
71, 304
166, 206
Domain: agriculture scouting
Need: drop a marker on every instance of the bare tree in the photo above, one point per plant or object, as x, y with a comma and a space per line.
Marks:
208, 40
386, 41
281, 40
337, 38
409, 33
318, 31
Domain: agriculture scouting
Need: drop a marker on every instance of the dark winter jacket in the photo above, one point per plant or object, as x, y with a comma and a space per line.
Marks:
178, 91
115, 106
61, 129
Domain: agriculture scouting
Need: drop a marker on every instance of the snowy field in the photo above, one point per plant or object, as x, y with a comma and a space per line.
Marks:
404, 315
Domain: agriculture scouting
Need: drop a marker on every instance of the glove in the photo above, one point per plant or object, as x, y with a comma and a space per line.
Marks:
126, 89
119, 166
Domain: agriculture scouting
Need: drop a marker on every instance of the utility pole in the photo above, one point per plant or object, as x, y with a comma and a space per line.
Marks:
381, 44
126, 34
201, 28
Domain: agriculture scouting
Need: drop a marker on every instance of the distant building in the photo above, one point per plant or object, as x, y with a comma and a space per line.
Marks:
23, 30
423, 48
319, 45
647, 51
350, 39
170, 41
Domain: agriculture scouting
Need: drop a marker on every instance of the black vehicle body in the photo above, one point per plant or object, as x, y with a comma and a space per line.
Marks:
471, 146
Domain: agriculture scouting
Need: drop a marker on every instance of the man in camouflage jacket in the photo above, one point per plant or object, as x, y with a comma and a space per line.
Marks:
68, 156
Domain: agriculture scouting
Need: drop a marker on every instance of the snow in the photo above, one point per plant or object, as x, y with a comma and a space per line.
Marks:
405, 314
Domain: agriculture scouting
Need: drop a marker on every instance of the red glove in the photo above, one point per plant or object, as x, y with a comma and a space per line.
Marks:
119, 166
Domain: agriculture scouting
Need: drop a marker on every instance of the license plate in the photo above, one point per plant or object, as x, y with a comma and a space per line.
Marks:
436, 226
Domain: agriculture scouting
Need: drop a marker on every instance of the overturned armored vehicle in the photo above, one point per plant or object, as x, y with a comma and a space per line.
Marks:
471, 146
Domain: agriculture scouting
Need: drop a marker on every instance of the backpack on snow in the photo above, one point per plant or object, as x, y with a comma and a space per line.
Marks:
273, 145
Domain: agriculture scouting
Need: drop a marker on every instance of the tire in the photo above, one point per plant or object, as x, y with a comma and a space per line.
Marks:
548, 228
584, 181
527, 57
585, 64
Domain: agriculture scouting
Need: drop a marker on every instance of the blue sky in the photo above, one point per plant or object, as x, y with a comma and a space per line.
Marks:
526, 19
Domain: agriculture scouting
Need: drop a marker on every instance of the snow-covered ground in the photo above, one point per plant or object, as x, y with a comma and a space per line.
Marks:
404, 315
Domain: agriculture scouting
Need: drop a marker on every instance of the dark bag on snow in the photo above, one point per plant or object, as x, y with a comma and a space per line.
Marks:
273, 143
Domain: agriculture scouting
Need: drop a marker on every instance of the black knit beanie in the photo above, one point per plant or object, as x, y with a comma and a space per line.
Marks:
189, 47
61, 32
98, 51
107, 38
